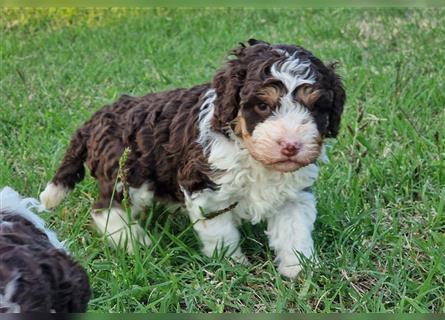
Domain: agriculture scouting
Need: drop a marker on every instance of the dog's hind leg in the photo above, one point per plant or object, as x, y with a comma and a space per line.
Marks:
120, 229
118, 225
140, 198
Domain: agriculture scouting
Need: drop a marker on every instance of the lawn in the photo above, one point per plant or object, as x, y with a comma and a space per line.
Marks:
380, 229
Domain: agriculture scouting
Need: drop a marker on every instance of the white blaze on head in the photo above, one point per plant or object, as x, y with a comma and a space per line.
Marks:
293, 72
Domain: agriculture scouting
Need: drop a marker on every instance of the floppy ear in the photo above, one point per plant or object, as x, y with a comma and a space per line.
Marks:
328, 104
337, 100
227, 83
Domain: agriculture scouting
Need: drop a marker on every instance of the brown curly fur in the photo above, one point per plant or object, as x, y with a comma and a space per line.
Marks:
160, 132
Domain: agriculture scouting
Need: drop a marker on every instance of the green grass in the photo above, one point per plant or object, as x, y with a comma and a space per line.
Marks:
380, 230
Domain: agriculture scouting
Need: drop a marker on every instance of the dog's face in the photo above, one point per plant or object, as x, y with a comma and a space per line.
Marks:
281, 101
275, 124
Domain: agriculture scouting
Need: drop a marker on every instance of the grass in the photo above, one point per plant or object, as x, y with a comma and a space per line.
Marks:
380, 230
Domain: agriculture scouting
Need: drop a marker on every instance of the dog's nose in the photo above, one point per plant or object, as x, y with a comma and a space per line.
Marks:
289, 149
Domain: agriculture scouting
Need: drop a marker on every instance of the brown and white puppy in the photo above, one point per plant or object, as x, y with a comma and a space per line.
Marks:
36, 273
243, 145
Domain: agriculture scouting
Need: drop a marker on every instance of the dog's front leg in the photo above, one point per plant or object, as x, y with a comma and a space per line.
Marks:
220, 234
289, 232
216, 234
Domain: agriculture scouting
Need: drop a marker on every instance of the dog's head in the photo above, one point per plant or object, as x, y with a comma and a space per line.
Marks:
280, 100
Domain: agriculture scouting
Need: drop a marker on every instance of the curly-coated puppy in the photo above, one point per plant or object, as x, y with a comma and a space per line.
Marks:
36, 273
243, 146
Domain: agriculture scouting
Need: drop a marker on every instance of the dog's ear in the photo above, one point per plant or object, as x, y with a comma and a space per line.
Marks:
228, 82
337, 100
329, 100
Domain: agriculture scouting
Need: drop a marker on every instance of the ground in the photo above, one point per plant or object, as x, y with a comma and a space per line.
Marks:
380, 229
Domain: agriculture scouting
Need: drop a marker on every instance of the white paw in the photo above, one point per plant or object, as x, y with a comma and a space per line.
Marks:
236, 256
114, 224
290, 271
53, 195
136, 234
239, 257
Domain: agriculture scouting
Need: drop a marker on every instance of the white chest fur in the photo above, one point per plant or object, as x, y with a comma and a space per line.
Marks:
259, 192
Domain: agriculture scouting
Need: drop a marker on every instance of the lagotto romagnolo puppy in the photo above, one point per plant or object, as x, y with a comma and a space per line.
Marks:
243, 146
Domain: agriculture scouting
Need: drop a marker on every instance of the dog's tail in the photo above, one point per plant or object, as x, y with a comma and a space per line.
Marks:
70, 171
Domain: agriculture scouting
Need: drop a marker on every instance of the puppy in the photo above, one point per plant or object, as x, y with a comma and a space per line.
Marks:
241, 148
36, 273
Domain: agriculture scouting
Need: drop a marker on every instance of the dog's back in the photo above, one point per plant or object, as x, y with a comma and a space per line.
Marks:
154, 130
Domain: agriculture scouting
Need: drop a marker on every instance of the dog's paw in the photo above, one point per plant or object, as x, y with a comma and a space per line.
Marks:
138, 235
239, 257
290, 271
114, 225
53, 195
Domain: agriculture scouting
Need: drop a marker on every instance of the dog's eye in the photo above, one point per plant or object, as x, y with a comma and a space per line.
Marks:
262, 109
